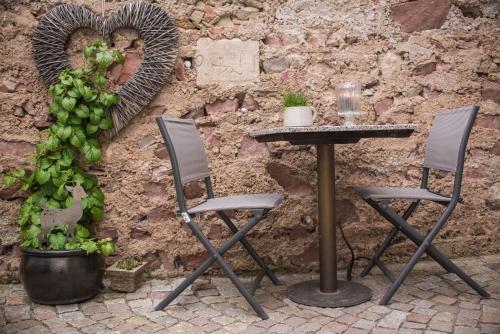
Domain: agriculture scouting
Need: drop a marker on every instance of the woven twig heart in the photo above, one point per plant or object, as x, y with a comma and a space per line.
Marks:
150, 21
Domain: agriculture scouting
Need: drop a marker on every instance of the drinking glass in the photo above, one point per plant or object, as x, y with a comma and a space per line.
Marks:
348, 101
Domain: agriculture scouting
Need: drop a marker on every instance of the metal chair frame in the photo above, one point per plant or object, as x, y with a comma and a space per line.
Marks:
216, 254
424, 243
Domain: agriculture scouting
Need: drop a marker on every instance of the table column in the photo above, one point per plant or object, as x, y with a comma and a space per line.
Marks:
327, 220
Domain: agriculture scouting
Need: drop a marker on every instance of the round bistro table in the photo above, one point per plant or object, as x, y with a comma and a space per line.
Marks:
328, 291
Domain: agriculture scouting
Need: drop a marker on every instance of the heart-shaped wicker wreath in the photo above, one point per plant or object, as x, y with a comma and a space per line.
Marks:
150, 21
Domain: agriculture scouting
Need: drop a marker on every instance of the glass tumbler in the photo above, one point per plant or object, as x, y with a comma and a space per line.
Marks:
348, 101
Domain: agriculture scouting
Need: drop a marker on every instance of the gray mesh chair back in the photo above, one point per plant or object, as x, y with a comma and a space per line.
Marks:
449, 134
186, 148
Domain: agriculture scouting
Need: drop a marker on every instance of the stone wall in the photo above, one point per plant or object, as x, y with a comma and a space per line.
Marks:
413, 60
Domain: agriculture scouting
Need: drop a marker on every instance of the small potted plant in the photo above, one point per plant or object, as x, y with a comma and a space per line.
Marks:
126, 275
297, 109
61, 260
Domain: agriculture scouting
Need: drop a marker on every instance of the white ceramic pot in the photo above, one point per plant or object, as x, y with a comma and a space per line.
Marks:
299, 116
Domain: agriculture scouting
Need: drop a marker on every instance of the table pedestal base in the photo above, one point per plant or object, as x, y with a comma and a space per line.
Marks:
348, 294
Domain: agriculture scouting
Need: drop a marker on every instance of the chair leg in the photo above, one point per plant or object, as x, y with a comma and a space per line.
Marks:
402, 276
216, 256
378, 253
250, 249
431, 250
387, 243
241, 288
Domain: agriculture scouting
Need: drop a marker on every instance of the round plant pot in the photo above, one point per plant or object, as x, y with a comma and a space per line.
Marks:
61, 277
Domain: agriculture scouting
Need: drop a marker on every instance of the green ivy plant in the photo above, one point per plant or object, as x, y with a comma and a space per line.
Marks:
79, 103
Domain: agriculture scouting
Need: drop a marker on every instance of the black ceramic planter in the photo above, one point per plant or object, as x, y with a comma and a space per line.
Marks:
61, 277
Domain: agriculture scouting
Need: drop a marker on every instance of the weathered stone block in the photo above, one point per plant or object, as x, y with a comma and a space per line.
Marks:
226, 61
421, 14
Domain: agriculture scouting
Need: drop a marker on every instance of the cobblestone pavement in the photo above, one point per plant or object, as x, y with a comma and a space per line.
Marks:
431, 301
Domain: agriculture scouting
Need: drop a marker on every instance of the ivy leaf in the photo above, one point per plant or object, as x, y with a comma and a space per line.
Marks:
98, 111
25, 213
41, 148
64, 132
35, 217
19, 173
81, 231
58, 89
104, 59
91, 128
62, 116
90, 182
78, 178
119, 56
90, 246
69, 202
52, 203
45, 163
9, 180
54, 170
77, 138
61, 193
82, 111
97, 194
42, 176
74, 93
52, 143
74, 120
88, 51
32, 232
54, 108
97, 213
91, 150
67, 157
108, 99
100, 80
48, 189
54, 155
108, 248
95, 119
57, 241
88, 94
106, 123
68, 103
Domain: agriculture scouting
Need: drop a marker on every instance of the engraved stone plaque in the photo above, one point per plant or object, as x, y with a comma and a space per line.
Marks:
226, 61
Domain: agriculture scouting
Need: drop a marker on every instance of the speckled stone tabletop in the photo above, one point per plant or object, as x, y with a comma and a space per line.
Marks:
333, 134
334, 128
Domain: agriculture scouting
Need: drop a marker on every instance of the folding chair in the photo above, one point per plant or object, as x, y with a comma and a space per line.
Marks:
446, 148
189, 163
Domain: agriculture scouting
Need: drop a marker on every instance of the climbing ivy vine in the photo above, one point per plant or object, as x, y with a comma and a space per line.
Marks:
80, 101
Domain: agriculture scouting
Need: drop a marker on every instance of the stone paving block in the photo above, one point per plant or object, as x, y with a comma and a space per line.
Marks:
417, 317
94, 329
413, 325
334, 327
393, 319
253, 330
364, 324
280, 328
66, 308
440, 325
20, 325
15, 313
379, 330
347, 319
